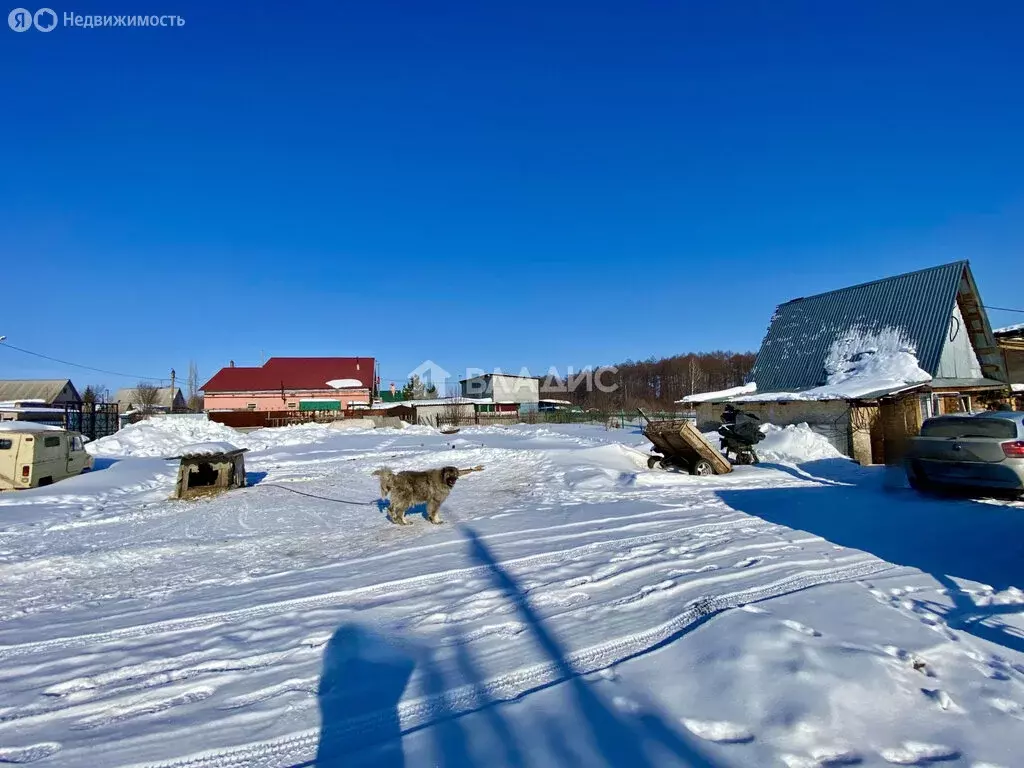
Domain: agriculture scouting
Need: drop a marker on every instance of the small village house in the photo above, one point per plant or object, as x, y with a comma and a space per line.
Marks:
292, 384
165, 400
37, 400
865, 365
502, 392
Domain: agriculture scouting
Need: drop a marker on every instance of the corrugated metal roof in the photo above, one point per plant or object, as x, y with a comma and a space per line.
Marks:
802, 331
31, 389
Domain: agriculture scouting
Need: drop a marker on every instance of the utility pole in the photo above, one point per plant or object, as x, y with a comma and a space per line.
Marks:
172, 392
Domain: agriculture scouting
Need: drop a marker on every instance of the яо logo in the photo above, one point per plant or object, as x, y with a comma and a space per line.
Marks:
22, 20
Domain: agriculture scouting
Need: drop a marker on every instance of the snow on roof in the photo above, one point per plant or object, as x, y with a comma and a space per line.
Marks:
345, 383
1009, 329
861, 364
724, 394
19, 409
27, 426
207, 449
1017, 387
556, 402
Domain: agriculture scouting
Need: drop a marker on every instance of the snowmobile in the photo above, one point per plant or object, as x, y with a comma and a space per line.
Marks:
740, 432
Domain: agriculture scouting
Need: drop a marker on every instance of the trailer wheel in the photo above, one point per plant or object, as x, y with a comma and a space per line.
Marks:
702, 467
653, 462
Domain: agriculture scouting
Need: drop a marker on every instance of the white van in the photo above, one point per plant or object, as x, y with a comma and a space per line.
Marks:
32, 455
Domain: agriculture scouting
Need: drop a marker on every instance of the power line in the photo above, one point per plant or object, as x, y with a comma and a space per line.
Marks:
79, 365
1005, 309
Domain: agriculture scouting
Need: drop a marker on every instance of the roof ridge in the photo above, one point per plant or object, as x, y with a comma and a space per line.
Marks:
961, 262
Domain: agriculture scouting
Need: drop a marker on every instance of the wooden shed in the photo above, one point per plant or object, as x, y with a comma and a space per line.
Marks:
209, 468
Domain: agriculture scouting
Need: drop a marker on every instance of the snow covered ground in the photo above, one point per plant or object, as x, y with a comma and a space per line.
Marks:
576, 609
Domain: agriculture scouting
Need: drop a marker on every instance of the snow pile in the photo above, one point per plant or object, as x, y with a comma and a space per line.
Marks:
163, 436
860, 364
794, 444
703, 397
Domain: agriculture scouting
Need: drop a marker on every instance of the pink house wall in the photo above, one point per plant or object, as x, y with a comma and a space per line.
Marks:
271, 401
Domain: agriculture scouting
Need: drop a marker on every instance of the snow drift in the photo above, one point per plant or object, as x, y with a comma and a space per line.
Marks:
795, 444
170, 435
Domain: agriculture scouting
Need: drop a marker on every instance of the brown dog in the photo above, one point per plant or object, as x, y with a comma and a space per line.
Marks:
407, 489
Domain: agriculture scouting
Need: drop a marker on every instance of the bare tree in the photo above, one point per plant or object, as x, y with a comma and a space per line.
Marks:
193, 399
454, 413
145, 397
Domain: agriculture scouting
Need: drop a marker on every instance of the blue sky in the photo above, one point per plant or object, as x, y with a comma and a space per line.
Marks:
491, 184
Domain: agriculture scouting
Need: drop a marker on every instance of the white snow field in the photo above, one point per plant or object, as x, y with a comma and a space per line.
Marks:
576, 609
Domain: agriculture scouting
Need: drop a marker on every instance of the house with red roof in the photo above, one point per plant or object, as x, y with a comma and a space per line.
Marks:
292, 383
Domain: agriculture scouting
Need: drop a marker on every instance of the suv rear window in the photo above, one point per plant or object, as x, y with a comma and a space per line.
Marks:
5, 445
967, 426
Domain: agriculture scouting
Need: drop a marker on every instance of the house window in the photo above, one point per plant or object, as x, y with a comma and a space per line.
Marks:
927, 407
51, 442
5, 445
965, 402
251, 406
291, 405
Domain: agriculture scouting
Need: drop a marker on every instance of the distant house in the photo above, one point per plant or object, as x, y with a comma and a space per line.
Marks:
865, 365
38, 400
48, 392
505, 392
292, 384
166, 400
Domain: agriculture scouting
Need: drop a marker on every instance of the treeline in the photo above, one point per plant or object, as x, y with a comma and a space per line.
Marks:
657, 384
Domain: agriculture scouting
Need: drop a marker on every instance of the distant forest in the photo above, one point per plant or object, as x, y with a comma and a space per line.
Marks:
657, 384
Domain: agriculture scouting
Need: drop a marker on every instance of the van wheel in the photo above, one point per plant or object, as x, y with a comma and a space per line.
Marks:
45, 481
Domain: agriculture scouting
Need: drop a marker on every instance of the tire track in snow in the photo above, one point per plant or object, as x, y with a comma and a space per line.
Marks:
209, 620
420, 712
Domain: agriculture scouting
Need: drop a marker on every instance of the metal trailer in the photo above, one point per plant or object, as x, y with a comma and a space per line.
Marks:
680, 444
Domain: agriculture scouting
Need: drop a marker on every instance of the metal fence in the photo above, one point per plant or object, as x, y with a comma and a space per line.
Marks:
94, 420
611, 419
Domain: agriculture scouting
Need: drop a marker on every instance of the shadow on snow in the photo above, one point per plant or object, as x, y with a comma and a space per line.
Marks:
365, 676
944, 537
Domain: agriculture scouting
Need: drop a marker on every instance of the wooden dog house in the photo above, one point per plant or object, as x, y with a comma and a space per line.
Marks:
208, 469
